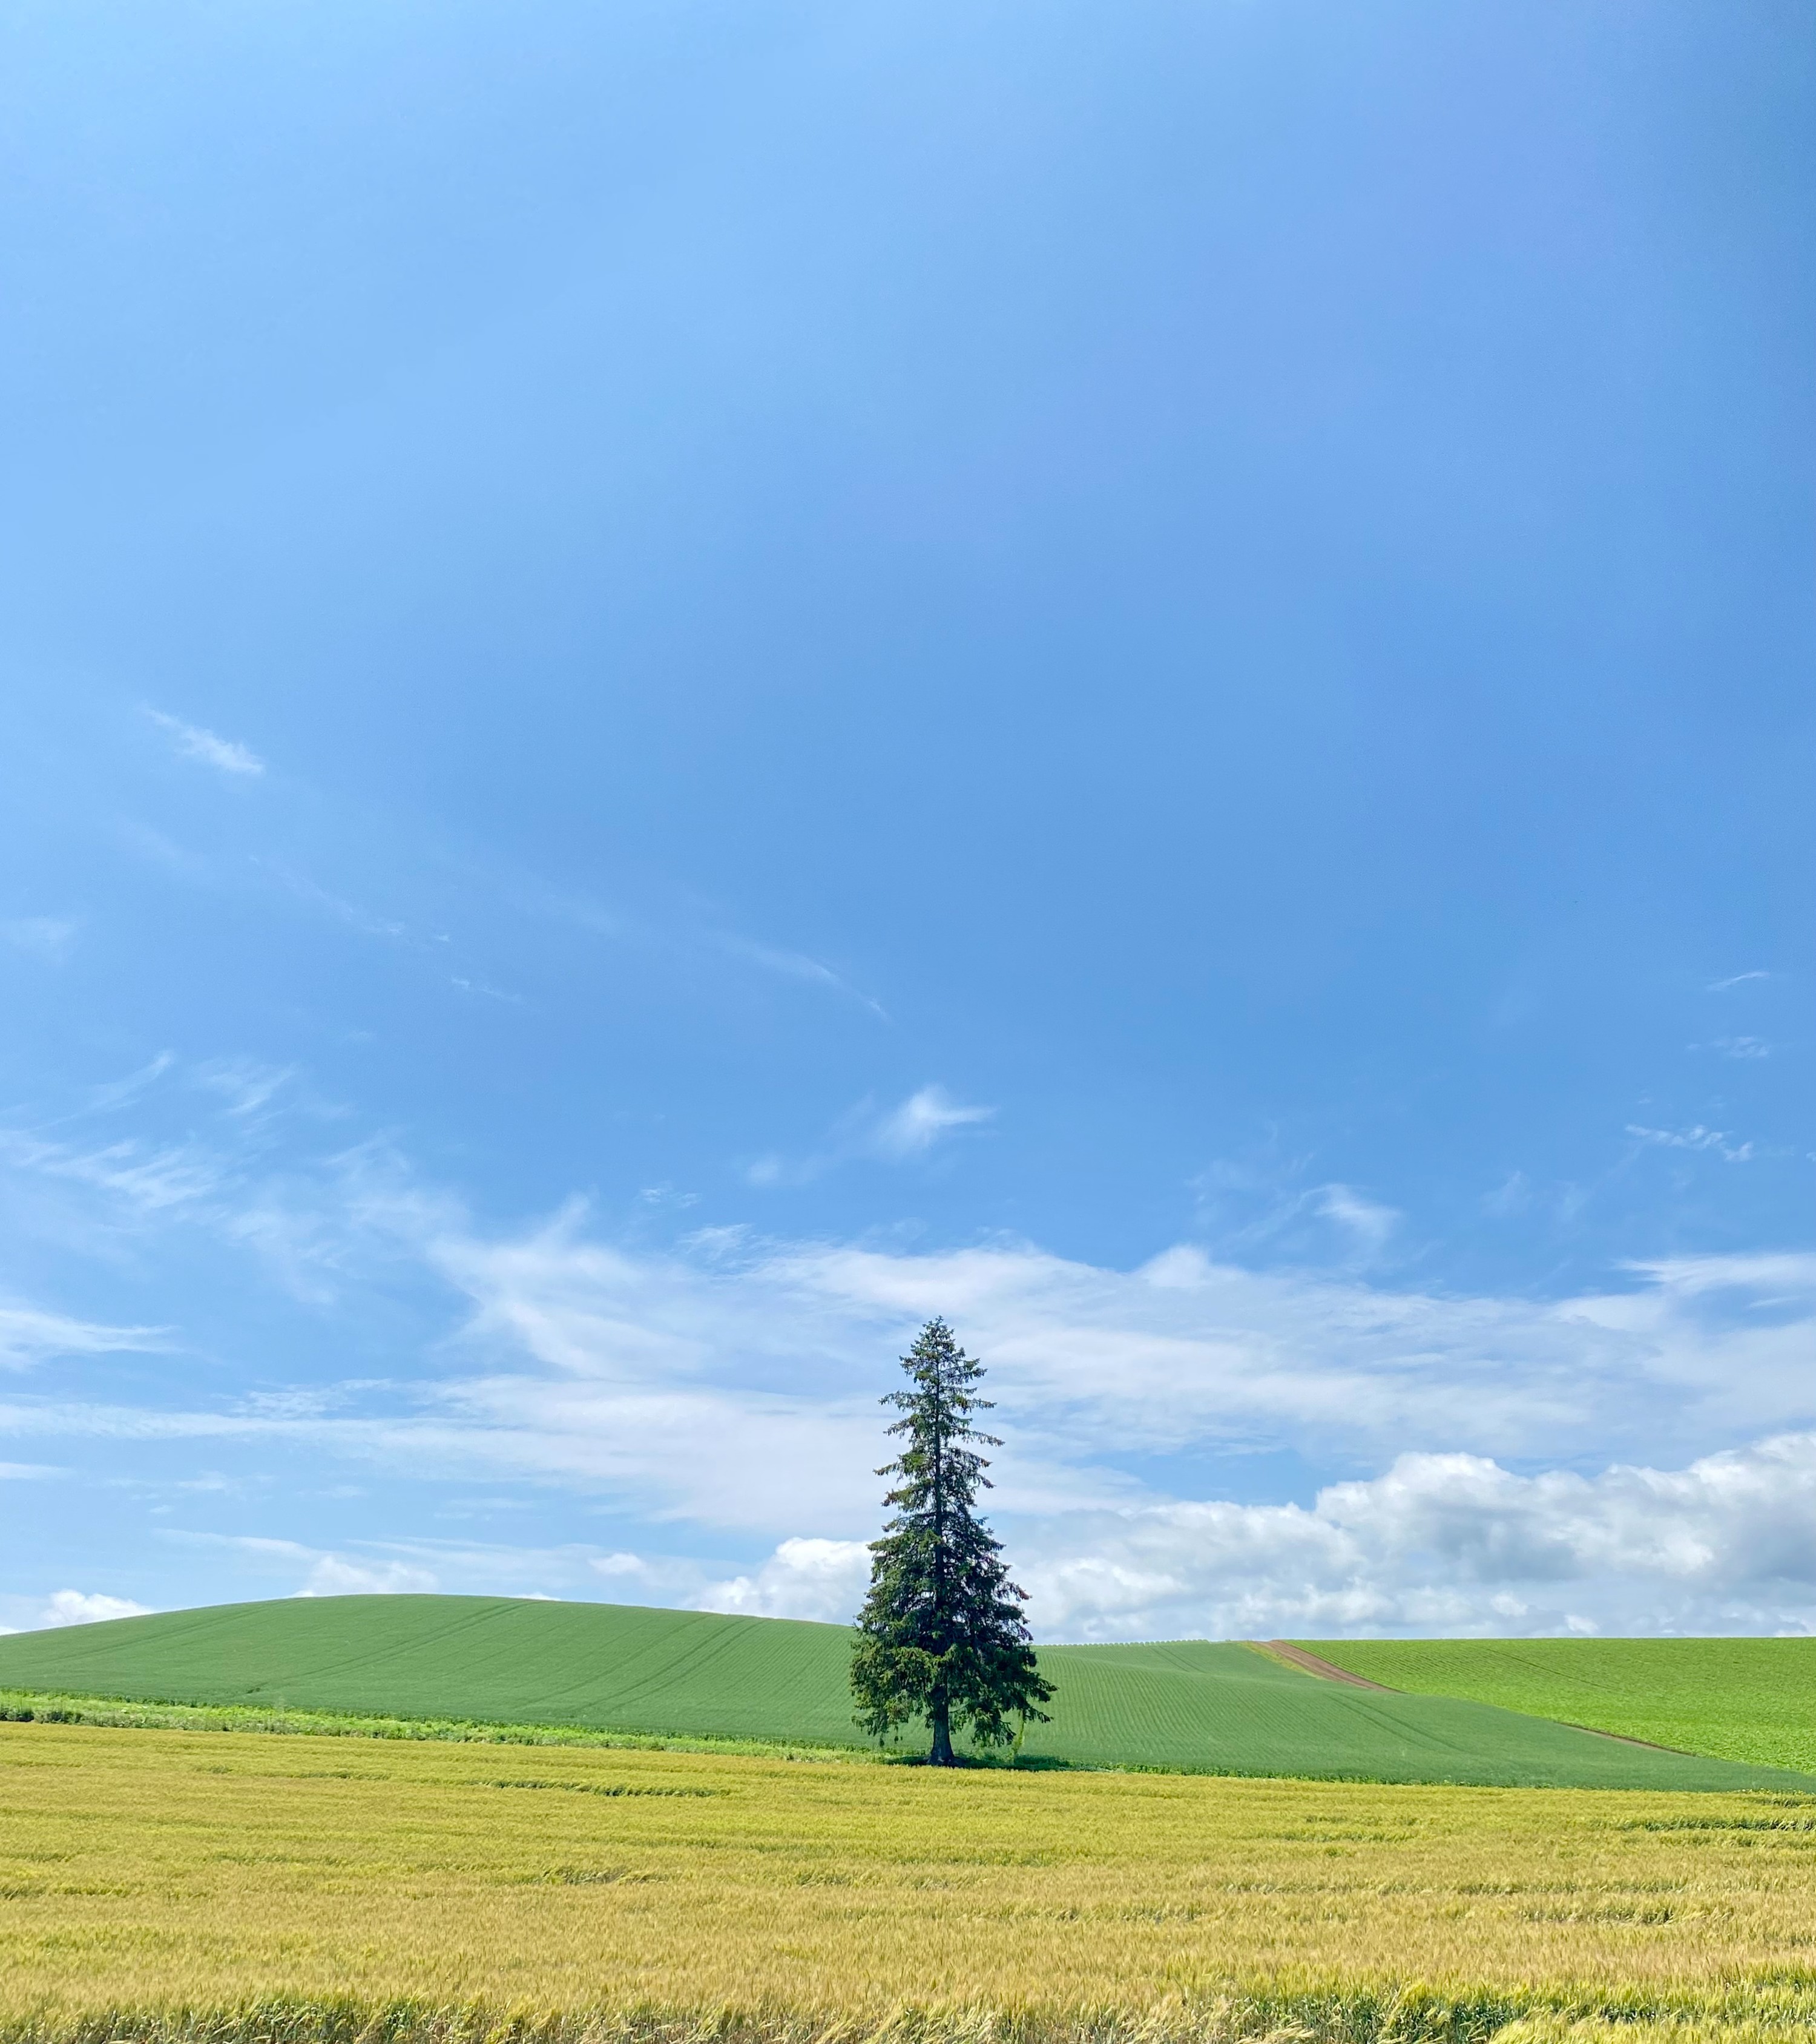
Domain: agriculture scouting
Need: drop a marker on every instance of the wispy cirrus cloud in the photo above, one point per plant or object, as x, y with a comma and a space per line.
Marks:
30, 1335
1714, 1140
146, 1176
922, 1119
681, 924
114, 1093
142, 1179
1368, 1222
244, 1086
350, 914
731, 1378
1743, 1048
1265, 1205
731, 1382
899, 1135
383, 1568
193, 741
797, 965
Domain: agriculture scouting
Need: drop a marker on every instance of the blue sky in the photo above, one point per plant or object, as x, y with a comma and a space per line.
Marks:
687, 682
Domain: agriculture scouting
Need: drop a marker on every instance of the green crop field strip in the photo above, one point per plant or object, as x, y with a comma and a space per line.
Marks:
1224, 1707
149, 1870
485, 1657
1192, 1705
1748, 1699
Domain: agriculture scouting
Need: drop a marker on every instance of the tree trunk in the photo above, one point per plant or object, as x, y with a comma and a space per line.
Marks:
941, 1755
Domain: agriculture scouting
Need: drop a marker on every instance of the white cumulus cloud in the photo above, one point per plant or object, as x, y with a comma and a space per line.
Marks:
334, 1575
78, 1608
804, 1578
1453, 1544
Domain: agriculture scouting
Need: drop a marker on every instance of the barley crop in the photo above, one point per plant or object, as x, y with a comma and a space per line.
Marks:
150, 1880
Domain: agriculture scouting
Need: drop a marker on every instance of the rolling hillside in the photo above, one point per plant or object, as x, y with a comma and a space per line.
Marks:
1223, 1708
1750, 1700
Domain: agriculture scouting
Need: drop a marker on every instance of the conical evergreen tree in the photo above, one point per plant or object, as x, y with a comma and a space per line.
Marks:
941, 1634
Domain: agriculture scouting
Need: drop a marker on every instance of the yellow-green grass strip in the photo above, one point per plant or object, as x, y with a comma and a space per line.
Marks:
125, 1714
228, 1889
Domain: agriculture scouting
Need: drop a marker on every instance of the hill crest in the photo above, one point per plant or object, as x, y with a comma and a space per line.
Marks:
1197, 1706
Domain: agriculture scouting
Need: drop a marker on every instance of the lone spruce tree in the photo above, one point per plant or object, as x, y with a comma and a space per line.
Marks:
941, 1635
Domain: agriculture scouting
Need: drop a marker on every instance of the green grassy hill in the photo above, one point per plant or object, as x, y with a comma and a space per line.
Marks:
1189, 1705
1750, 1700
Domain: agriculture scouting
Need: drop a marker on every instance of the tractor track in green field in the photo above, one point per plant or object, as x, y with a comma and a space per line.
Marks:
1739, 1699
1310, 1664
1314, 1664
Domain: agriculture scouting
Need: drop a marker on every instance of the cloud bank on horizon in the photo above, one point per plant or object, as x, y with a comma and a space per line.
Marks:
1537, 1460
1150, 692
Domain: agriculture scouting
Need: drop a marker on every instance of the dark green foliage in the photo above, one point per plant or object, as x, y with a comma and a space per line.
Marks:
941, 1635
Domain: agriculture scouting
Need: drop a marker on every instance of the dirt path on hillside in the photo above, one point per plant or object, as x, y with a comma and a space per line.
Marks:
1283, 1649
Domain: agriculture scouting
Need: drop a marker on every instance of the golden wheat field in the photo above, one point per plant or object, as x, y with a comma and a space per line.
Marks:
142, 1871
